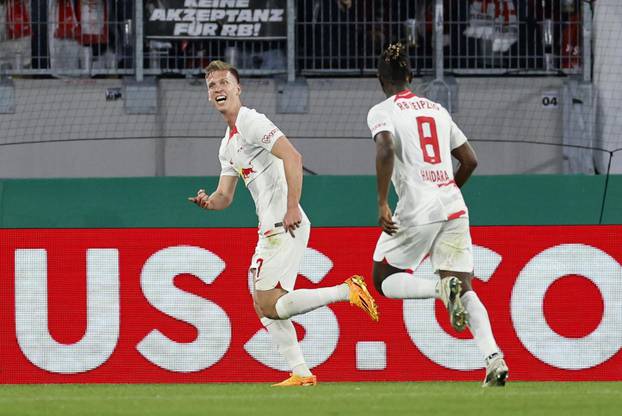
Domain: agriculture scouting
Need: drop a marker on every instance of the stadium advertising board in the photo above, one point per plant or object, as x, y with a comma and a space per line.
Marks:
174, 305
214, 19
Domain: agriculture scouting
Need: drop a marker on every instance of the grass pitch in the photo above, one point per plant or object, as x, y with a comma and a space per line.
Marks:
448, 398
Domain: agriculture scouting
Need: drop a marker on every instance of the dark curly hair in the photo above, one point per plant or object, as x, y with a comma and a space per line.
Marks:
394, 64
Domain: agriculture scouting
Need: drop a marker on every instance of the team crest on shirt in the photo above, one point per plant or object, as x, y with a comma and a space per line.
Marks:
246, 172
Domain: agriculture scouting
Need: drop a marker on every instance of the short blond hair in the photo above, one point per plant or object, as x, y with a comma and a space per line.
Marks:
221, 66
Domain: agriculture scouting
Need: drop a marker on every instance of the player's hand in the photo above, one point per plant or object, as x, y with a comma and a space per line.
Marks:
202, 199
292, 220
385, 219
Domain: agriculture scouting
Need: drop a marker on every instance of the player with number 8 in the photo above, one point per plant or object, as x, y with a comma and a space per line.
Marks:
415, 141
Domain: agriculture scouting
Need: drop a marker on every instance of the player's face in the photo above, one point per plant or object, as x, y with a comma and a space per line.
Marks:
223, 90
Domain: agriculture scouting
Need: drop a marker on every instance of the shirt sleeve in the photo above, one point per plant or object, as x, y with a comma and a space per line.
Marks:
378, 120
226, 168
258, 130
457, 136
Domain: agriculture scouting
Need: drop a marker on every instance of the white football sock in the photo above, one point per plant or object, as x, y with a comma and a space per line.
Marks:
479, 323
284, 336
406, 286
301, 301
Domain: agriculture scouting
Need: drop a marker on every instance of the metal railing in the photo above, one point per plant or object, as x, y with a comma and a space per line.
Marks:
57, 37
318, 37
533, 37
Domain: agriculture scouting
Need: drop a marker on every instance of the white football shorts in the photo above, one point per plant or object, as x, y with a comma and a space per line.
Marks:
277, 258
448, 243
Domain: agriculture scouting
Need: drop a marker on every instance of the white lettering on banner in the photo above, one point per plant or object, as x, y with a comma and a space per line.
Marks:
261, 15
245, 30
195, 29
425, 331
174, 15
528, 297
158, 15
245, 16
229, 30
181, 29
321, 325
210, 320
216, 15
216, 3
102, 307
203, 15
276, 15
231, 15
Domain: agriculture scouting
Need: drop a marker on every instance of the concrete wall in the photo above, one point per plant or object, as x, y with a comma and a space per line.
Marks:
607, 63
66, 128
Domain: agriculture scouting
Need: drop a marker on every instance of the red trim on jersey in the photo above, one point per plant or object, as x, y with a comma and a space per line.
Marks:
404, 94
233, 132
451, 182
456, 215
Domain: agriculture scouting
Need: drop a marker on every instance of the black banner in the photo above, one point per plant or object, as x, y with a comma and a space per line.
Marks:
226, 19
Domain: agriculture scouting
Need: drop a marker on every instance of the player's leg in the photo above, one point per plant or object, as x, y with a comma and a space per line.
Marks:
479, 324
284, 265
451, 286
301, 301
453, 258
396, 283
284, 336
282, 332
395, 255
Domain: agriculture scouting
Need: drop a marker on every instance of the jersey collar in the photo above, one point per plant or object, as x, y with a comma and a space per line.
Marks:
233, 132
404, 94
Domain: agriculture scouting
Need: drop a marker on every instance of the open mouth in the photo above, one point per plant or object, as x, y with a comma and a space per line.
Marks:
221, 99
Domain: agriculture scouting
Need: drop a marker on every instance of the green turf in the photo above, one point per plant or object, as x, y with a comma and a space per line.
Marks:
460, 399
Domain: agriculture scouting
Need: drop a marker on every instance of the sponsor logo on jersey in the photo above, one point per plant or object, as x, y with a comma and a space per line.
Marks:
270, 135
417, 105
378, 125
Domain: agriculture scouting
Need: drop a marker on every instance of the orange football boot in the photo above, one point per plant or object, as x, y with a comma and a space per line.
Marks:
297, 381
360, 297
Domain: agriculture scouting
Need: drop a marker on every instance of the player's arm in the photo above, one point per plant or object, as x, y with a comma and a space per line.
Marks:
221, 198
468, 162
385, 158
292, 164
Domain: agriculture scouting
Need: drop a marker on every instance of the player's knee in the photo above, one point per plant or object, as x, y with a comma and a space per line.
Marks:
265, 306
378, 276
269, 311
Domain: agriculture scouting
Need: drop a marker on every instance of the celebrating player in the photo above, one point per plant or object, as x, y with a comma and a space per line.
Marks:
415, 139
271, 168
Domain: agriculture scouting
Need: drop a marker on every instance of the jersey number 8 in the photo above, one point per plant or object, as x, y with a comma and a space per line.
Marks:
428, 139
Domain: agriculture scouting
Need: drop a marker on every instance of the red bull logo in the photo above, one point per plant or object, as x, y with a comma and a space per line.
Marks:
246, 172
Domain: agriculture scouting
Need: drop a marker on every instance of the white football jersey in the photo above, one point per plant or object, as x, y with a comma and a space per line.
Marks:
424, 136
246, 151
